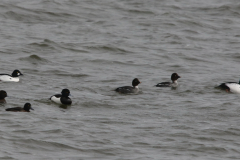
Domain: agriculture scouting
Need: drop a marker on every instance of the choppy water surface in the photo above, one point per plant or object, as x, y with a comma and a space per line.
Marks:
92, 47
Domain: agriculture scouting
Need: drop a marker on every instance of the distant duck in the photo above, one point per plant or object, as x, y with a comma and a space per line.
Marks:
62, 98
3, 95
129, 89
230, 87
26, 108
11, 78
174, 82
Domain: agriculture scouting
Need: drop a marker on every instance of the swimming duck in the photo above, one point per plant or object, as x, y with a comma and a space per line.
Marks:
129, 89
11, 78
230, 87
3, 95
62, 98
26, 108
174, 82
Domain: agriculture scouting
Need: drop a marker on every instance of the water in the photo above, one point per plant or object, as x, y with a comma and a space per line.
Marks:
93, 47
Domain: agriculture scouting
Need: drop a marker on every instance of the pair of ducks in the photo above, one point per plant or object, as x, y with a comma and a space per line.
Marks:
134, 88
26, 108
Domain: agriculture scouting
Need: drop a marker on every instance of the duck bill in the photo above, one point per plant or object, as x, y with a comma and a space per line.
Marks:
31, 108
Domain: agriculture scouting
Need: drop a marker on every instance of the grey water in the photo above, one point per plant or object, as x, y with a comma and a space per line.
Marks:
91, 48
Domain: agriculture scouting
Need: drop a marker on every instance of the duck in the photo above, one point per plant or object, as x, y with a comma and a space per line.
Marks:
3, 95
26, 108
11, 78
174, 82
129, 89
62, 98
232, 87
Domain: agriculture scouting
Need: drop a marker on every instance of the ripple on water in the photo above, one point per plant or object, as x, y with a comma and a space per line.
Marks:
35, 59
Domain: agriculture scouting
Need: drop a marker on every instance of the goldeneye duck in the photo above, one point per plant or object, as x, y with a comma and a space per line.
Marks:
3, 95
11, 78
129, 89
230, 87
26, 108
62, 98
174, 82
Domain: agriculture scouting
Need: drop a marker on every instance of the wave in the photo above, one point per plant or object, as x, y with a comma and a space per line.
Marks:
35, 59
